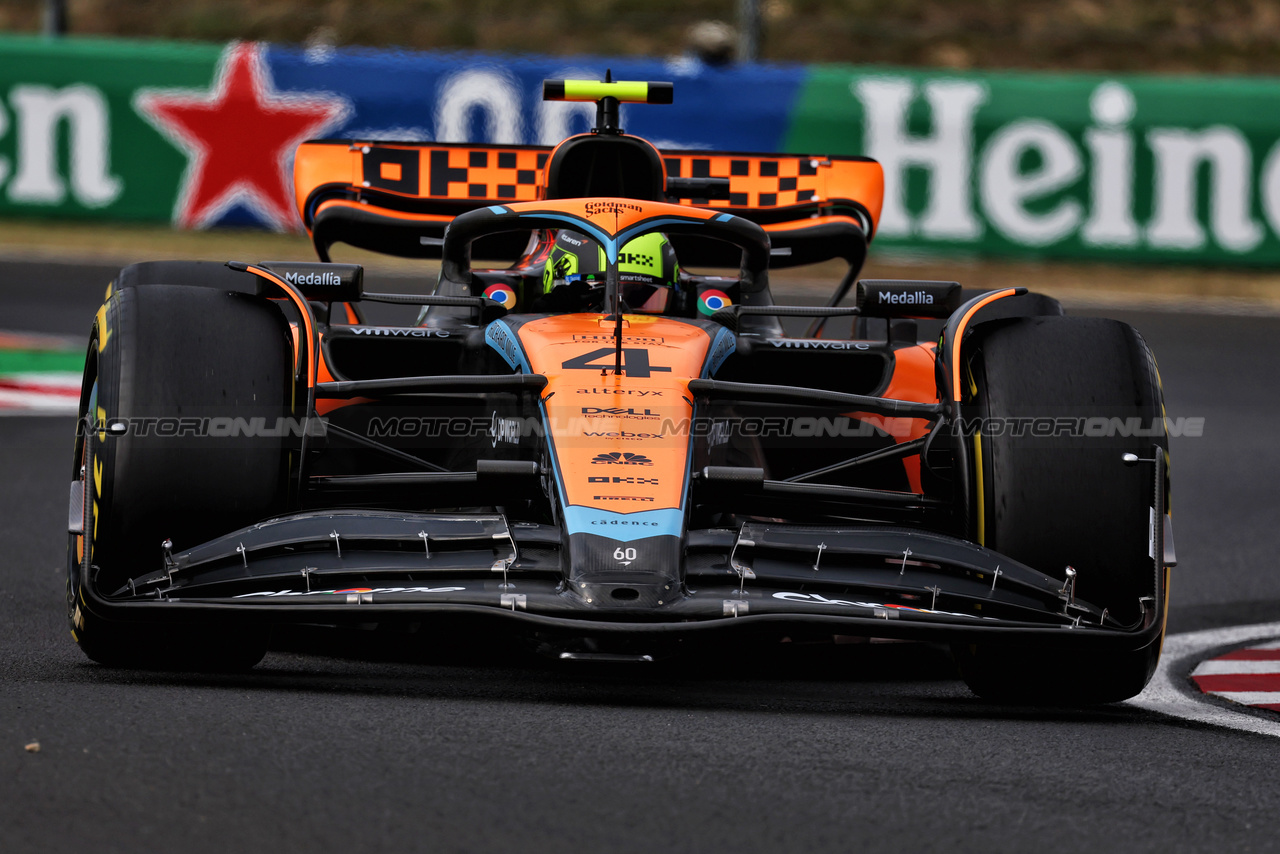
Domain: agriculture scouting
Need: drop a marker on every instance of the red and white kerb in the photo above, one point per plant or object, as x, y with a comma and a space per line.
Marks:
1249, 676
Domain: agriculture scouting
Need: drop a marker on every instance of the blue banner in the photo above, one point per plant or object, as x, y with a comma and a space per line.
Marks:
498, 99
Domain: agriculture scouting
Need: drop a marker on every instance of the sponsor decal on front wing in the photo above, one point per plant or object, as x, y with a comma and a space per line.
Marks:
819, 599
276, 593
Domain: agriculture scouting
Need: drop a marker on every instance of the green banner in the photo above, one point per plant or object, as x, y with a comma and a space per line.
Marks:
1071, 166
71, 143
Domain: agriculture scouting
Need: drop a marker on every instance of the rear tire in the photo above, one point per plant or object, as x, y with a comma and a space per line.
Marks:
185, 370
1066, 500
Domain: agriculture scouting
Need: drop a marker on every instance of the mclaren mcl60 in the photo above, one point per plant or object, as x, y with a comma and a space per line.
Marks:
599, 444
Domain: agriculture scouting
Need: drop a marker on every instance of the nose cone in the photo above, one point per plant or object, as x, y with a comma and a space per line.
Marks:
619, 574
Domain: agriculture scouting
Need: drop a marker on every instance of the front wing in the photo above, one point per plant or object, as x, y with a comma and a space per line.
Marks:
361, 567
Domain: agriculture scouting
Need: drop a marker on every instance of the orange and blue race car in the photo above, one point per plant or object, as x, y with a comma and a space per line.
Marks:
616, 441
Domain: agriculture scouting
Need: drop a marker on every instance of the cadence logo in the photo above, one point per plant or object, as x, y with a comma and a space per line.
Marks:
621, 458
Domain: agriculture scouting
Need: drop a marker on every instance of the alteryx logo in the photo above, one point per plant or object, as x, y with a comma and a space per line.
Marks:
622, 459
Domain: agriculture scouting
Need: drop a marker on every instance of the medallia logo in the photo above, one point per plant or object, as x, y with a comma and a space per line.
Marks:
332, 279
905, 298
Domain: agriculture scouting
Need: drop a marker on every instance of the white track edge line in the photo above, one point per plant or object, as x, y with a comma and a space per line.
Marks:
1248, 698
1237, 667
1167, 695
59, 411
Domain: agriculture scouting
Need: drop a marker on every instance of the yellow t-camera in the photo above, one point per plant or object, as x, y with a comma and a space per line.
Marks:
625, 91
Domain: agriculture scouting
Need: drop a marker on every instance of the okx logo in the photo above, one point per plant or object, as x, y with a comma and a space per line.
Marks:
622, 458
635, 259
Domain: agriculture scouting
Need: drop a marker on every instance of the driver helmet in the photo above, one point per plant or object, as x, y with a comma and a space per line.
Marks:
648, 274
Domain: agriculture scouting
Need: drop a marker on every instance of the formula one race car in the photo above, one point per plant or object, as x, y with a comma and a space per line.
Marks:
598, 448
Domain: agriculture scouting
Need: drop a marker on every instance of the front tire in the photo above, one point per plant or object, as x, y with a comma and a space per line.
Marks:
1066, 498
183, 389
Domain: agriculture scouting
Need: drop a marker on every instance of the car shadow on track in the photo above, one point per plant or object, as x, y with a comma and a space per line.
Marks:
869, 679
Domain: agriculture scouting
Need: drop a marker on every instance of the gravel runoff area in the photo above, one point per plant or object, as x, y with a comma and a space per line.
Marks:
1076, 284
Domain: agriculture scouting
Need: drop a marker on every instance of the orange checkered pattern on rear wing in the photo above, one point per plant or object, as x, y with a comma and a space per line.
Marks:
769, 181
472, 174
434, 182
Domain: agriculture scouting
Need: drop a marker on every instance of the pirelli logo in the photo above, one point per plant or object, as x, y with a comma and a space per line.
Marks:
763, 182
477, 174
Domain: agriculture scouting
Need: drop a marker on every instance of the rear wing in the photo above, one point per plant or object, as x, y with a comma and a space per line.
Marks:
398, 198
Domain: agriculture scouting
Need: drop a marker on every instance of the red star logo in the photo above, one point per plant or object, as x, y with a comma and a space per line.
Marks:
239, 138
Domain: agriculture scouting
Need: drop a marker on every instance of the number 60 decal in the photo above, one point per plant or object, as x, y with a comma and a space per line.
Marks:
627, 554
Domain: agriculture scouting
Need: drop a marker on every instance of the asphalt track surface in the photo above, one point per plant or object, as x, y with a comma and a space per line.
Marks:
866, 748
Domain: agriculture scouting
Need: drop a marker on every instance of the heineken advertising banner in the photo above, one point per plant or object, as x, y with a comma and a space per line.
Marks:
1081, 166
1068, 166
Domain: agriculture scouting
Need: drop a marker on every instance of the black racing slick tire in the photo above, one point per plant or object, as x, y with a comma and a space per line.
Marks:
185, 393
1061, 400
200, 274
